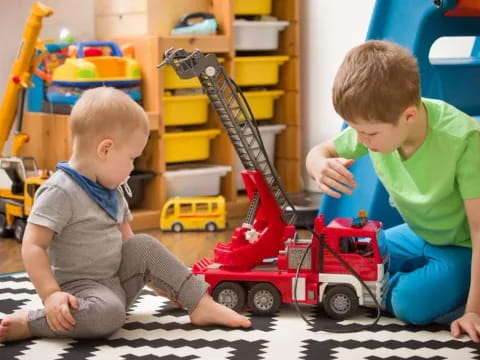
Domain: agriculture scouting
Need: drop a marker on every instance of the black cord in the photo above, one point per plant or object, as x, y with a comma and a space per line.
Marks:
319, 238
349, 268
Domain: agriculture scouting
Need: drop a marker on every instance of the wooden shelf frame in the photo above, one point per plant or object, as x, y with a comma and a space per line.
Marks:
52, 129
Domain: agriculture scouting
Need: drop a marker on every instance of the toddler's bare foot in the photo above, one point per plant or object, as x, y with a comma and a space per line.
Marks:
209, 312
14, 327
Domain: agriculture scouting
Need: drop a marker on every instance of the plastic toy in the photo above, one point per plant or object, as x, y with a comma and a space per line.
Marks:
54, 56
265, 263
93, 64
19, 178
417, 24
194, 213
66, 37
200, 23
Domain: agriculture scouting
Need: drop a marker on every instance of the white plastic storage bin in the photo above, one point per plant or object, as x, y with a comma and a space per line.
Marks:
268, 133
194, 180
257, 35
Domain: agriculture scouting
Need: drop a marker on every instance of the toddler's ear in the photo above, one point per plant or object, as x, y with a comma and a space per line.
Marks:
104, 148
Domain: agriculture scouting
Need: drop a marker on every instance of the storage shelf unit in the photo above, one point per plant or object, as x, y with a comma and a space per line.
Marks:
151, 21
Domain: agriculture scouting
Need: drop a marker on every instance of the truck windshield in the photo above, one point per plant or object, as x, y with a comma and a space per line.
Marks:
30, 167
356, 245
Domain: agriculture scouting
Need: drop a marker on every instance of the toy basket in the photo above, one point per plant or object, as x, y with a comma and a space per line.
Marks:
258, 70
188, 145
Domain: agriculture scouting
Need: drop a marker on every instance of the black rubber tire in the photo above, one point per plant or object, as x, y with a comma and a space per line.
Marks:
211, 227
230, 294
19, 229
264, 299
177, 227
4, 232
340, 302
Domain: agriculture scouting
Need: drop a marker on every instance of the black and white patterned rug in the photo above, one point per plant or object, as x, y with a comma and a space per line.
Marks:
156, 329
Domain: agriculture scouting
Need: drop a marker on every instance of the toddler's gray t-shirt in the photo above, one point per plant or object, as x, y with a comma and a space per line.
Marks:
87, 243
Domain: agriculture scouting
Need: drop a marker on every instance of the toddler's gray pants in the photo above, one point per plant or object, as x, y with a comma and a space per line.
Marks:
103, 303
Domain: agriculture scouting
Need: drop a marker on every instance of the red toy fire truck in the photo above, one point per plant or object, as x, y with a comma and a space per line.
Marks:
265, 263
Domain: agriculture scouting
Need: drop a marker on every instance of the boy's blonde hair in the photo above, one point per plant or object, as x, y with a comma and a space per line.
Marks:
105, 112
376, 82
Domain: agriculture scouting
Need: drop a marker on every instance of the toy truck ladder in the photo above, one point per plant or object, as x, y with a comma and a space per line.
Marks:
239, 124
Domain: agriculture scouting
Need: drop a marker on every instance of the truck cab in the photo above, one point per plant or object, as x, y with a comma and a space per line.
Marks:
354, 241
19, 181
13, 173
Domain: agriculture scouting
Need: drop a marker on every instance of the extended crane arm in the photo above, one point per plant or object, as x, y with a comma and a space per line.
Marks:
21, 73
235, 115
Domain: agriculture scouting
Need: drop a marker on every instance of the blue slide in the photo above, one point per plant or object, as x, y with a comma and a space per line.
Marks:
416, 24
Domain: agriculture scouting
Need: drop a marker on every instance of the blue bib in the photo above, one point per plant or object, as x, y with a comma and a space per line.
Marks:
105, 198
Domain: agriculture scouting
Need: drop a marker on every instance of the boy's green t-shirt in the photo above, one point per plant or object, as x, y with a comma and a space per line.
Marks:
429, 188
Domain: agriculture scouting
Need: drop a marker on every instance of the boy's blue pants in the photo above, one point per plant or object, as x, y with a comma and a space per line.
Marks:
426, 281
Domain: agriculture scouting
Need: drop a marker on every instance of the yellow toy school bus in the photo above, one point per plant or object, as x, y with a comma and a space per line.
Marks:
194, 213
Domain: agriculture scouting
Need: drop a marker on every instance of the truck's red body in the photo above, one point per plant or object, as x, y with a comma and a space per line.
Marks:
269, 263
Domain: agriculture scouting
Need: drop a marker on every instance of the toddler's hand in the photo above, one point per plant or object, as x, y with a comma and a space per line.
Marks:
333, 177
469, 323
57, 311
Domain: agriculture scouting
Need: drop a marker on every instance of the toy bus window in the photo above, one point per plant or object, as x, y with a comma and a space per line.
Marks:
186, 208
201, 207
214, 206
170, 210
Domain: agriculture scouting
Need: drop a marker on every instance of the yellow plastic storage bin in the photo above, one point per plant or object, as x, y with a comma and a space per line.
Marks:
188, 145
255, 7
262, 102
172, 81
258, 70
185, 110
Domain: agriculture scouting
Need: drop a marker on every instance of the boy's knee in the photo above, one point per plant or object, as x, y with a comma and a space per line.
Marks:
99, 320
142, 243
414, 306
408, 312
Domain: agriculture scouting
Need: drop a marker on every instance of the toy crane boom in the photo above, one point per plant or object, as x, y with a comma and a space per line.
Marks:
20, 76
263, 232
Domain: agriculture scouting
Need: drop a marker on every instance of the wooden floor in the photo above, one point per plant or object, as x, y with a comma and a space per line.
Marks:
187, 246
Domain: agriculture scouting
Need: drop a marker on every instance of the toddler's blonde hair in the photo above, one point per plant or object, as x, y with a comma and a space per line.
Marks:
106, 112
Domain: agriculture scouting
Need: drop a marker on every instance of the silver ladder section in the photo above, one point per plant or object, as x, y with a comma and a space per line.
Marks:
233, 111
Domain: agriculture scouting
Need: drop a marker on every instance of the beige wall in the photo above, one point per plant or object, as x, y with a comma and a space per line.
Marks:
73, 14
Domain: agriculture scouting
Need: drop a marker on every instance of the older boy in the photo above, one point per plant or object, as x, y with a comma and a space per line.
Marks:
427, 155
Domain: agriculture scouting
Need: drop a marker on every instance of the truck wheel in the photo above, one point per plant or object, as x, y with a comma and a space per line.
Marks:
264, 299
4, 231
19, 229
340, 302
230, 294
177, 227
211, 227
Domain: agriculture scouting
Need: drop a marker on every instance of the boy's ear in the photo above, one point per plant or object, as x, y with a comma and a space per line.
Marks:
410, 113
104, 147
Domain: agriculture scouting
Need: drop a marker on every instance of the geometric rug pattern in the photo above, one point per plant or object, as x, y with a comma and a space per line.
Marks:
157, 329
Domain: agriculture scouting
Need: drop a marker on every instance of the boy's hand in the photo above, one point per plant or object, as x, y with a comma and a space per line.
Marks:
57, 311
334, 178
469, 323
